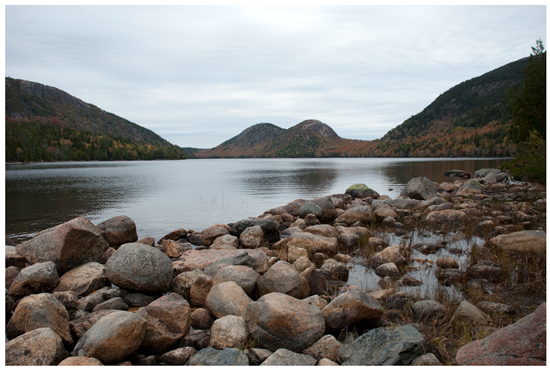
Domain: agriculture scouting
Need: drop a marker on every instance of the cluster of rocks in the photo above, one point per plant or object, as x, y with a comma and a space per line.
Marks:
257, 291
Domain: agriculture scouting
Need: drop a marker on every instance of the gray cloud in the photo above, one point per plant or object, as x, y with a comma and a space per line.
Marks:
198, 75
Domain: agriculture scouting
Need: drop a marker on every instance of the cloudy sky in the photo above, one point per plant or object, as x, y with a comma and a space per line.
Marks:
199, 75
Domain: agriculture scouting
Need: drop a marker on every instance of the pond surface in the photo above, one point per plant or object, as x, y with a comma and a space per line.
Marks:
161, 196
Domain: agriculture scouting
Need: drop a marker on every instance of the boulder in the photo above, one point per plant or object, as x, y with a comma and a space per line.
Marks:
326, 347
118, 230
313, 243
140, 267
390, 254
404, 203
168, 321
179, 356
316, 283
39, 347
13, 258
384, 347
361, 213
148, 240
387, 269
522, 241
458, 174
214, 357
470, 188
446, 262
79, 326
446, 219
113, 338
199, 290
383, 213
316, 300
467, 312
68, 299
201, 259
420, 188
197, 339
322, 208
351, 308
252, 237
211, 233
302, 263
68, 245
269, 227
348, 240
183, 282
324, 230
35, 279
360, 190
521, 343
226, 241
202, 319
242, 275
284, 357
229, 332
114, 303
80, 361
83, 279
227, 298
284, 278
174, 249
136, 299
337, 269
281, 321
40, 310
294, 253
427, 308
175, 235
257, 355
485, 269
399, 300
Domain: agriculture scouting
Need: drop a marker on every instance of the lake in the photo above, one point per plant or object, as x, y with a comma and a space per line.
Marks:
161, 196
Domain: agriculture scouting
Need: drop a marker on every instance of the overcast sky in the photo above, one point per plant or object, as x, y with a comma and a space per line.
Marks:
199, 75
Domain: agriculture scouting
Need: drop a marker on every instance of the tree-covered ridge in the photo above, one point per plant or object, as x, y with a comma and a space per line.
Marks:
46, 124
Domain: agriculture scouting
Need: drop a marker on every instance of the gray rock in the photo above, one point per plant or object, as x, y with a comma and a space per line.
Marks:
420, 188
227, 298
197, 339
491, 307
284, 278
361, 213
470, 188
467, 312
113, 338
284, 357
322, 208
446, 219
35, 279
242, 275
382, 346
214, 357
281, 321
337, 269
175, 235
68, 245
141, 268
118, 230
426, 308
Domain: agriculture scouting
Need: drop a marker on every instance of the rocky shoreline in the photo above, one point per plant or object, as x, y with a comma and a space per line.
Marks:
278, 289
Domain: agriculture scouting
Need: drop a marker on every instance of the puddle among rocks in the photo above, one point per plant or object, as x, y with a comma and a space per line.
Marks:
422, 266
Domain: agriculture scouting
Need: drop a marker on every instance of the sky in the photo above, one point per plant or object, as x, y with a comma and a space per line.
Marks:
199, 75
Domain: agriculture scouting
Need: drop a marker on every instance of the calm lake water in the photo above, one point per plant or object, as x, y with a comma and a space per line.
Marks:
161, 196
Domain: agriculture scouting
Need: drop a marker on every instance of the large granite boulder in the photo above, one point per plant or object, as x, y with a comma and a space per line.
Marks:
39, 347
68, 245
520, 344
420, 188
118, 230
522, 241
40, 310
351, 308
84, 279
284, 278
113, 338
322, 208
168, 321
281, 321
252, 237
384, 347
140, 267
360, 190
227, 298
35, 279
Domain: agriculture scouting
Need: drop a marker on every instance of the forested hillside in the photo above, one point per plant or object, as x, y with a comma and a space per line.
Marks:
46, 124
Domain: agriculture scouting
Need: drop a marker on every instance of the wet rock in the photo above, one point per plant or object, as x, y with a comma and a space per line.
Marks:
199, 290
284, 278
257, 355
410, 281
40, 310
382, 346
243, 276
360, 190
68, 245
354, 214
179, 356
447, 218
351, 308
387, 269
428, 359
202, 319
449, 276
174, 235
281, 321
446, 262
229, 332
390, 254
420, 188
326, 347
113, 338
470, 313
211, 233
35, 279
141, 268
227, 298
39, 347
284, 357
399, 300
522, 241
491, 307
522, 343
214, 357
485, 269
118, 230
427, 308
427, 248
83, 279
80, 361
